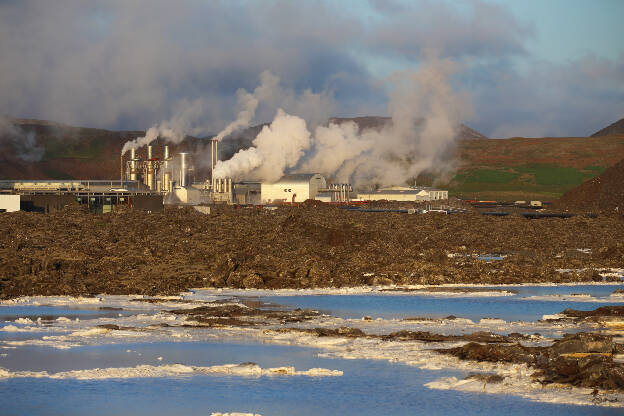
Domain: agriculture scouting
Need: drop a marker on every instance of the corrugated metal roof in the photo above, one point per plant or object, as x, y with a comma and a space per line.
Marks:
297, 178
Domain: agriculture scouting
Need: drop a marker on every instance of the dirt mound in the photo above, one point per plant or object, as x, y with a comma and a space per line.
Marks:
614, 129
604, 193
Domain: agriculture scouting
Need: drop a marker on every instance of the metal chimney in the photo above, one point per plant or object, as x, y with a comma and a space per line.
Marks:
133, 164
183, 169
150, 168
214, 156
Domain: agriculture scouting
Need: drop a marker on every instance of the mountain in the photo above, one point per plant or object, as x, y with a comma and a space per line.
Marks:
376, 122
615, 129
604, 193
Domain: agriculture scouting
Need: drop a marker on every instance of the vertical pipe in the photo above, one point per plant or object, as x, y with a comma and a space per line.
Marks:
183, 169
133, 165
167, 182
150, 168
214, 156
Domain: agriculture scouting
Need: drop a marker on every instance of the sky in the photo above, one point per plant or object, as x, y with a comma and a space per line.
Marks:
531, 68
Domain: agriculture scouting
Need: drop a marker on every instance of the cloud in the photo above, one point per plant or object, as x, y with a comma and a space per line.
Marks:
478, 29
574, 98
125, 64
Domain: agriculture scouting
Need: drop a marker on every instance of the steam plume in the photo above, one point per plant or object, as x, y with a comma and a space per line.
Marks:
287, 133
185, 121
425, 111
24, 143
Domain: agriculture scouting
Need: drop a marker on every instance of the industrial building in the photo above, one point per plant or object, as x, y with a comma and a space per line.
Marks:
407, 194
297, 187
148, 182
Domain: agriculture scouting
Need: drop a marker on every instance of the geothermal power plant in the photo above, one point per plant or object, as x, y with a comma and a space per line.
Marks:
152, 177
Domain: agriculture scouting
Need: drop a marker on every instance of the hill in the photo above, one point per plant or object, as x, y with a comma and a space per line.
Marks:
613, 129
604, 193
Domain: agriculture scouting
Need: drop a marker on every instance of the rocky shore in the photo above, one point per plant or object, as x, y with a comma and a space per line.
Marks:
77, 253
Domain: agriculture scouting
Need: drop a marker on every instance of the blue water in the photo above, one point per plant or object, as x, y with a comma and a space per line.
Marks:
509, 308
366, 388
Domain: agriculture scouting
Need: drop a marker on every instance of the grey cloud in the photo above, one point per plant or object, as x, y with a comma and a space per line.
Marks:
131, 64
575, 98
104, 63
477, 29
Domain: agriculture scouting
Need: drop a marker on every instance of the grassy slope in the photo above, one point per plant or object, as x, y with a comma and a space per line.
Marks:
520, 169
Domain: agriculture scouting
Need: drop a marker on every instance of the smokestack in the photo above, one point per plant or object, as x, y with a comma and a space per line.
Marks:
183, 169
166, 173
167, 182
150, 168
214, 156
133, 165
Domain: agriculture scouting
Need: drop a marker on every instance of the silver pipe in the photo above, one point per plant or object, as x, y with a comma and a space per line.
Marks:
183, 169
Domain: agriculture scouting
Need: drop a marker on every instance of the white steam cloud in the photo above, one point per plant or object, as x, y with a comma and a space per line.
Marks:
186, 120
277, 147
23, 142
425, 116
188, 116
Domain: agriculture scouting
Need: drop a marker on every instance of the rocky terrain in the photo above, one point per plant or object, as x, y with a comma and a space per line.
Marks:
312, 245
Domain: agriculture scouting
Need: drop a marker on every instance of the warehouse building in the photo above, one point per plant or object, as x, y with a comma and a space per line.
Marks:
406, 194
293, 188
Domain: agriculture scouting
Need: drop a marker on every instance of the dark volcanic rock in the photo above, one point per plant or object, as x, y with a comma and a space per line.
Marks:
578, 359
312, 245
601, 311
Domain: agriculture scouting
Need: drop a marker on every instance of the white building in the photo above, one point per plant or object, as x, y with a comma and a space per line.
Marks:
9, 203
400, 193
293, 188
